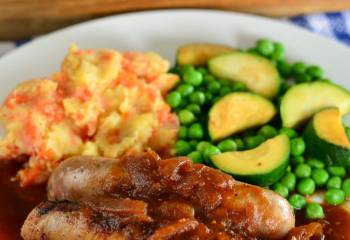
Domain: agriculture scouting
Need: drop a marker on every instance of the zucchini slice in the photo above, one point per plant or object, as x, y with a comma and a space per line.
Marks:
198, 54
263, 165
303, 100
326, 139
238, 111
258, 73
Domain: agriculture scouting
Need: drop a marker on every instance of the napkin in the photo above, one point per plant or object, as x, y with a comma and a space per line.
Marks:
333, 25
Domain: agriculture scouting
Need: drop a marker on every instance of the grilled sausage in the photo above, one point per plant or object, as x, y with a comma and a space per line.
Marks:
217, 198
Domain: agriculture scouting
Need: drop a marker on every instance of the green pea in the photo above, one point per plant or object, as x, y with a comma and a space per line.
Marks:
193, 144
315, 72
346, 187
208, 78
202, 70
253, 141
289, 168
298, 68
210, 151
227, 145
267, 131
334, 183
224, 91
182, 132
182, 148
284, 68
240, 144
214, 87
186, 117
174, 99
208, 97
297, 147
296, 160
315, 163
337, 171
183, 103
197, 98
297, 201
303, 170
306, 186
185, 68
277, 56
278, 47
193, 77
238, 87
201, 146
314, 211
280, 189
289, 181
194, 108
302, 78
265, 47
320, 176
195, 131
196, 157
335, 196
185, 89
291, 133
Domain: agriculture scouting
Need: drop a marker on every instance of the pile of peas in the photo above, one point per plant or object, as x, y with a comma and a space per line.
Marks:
191, 100
305, 175
198, 90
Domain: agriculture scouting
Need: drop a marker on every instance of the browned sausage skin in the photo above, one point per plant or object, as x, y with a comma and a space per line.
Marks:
218, 200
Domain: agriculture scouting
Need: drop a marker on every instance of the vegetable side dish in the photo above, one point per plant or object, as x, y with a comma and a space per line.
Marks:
101, 103
265, 121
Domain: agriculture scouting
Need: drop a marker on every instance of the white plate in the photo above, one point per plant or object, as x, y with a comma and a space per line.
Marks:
163, 31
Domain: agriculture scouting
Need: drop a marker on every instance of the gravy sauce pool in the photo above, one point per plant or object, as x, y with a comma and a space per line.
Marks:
16, 203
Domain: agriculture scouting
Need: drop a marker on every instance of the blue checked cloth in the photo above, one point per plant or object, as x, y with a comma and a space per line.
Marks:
332, 25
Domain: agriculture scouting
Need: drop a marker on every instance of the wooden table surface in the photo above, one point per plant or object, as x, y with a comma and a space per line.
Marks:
26, 18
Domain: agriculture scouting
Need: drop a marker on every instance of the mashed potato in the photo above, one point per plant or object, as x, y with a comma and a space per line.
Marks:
101, 102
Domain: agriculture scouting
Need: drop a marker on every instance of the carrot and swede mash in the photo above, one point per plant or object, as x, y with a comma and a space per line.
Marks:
101, 102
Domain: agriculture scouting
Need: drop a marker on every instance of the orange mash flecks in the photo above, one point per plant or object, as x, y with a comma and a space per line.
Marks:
101, 102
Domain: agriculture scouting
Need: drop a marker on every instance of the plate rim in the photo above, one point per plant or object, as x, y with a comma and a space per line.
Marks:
282, 22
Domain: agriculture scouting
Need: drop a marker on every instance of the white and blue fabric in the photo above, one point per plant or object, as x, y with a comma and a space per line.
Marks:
332, 25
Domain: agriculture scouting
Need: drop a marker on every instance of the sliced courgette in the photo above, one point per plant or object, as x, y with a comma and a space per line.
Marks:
237, 112
326, 139
303, 100
263, 165
258, 73
198, 54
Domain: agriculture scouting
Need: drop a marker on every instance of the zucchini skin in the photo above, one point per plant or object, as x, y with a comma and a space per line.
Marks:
321, 149
264, 179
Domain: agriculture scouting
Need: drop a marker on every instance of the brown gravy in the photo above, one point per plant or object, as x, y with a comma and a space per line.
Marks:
17, 202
